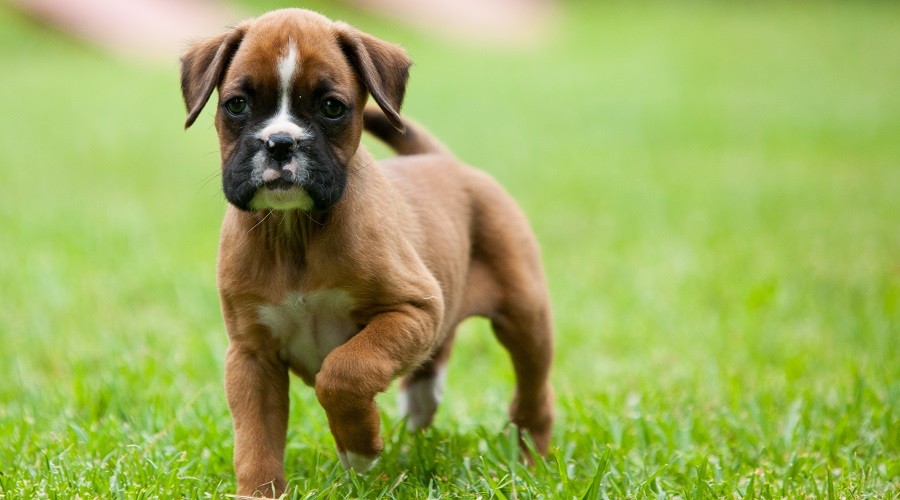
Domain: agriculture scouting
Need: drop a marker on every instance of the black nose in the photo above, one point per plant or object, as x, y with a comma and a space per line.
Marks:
280, 145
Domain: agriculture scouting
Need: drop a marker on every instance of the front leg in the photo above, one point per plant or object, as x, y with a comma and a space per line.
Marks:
355, 372
256, 384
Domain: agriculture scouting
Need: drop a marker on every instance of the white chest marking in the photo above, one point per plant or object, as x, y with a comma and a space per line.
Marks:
310, 326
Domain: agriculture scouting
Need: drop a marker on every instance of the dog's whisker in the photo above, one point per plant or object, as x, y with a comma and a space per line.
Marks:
207, 179
367, 165
310, 217
261, 221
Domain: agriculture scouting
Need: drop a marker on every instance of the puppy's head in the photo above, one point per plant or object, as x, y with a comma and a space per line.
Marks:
292, 86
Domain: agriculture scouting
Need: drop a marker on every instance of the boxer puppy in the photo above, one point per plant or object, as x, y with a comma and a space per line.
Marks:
347, 272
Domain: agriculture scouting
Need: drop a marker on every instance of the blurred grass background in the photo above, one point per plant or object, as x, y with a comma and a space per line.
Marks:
715, 187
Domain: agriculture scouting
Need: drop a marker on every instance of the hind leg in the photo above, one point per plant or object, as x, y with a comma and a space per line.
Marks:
523, 327
421, 391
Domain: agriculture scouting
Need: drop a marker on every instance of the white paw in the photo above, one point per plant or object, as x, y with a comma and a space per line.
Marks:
357, 462
419, 401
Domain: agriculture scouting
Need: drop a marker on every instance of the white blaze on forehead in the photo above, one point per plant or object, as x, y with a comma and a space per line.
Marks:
286, 66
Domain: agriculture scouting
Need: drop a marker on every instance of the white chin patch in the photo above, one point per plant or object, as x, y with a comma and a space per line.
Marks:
281, 199
357, 462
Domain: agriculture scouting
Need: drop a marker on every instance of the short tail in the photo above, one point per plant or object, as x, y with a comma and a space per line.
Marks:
412, 141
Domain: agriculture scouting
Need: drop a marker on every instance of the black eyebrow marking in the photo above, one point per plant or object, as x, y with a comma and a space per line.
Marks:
324, 86
243, 86
246, 85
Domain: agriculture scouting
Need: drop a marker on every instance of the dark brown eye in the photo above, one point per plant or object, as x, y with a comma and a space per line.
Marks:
236, 106
333, 109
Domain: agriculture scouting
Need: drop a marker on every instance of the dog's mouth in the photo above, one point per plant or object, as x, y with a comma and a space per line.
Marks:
307, 179
280, 184
281, 189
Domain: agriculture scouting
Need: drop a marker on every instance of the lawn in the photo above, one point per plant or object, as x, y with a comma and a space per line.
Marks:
716, 188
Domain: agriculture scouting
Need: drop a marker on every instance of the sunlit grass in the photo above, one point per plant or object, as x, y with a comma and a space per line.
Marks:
717, 193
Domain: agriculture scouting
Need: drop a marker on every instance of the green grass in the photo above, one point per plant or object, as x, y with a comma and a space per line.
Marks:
717, 192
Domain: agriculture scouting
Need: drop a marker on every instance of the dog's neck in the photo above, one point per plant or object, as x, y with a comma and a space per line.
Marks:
290, 230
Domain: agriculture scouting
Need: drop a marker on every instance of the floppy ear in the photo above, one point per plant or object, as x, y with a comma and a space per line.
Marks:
384, 68
202, 67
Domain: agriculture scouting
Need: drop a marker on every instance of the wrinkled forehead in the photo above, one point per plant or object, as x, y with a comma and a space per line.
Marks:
288, 49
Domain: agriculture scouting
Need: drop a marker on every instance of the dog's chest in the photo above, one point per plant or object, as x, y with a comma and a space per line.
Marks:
309, 326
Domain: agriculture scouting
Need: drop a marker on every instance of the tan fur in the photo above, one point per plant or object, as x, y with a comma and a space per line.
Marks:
420, 243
